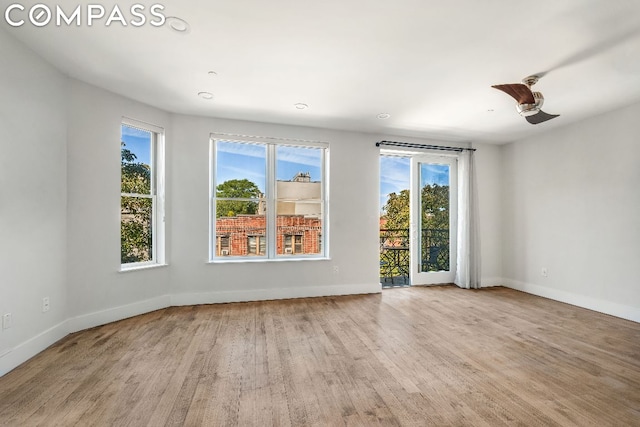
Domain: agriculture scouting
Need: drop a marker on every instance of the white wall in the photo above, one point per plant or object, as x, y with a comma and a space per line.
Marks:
98, 291
571, 203
33, 198
488, 159
353, 220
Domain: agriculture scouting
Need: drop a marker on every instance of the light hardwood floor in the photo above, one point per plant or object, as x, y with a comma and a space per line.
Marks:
412, 356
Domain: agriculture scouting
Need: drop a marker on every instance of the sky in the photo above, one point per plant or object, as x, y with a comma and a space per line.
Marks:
240, 161
248, 161
395, 174
138, 142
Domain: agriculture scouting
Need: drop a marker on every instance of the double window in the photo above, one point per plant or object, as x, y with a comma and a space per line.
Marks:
141, 187
268, 199
293, 244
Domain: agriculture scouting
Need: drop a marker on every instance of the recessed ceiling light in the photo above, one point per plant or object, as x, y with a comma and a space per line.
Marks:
178, 24
205, 95
212, 73
301, 106
383, 116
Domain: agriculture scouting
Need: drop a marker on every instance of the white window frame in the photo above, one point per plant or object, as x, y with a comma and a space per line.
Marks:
157, 195
270, 198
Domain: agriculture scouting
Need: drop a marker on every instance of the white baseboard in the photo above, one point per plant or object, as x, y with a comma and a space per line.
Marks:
272, 294
13, 357
102, 317
488, 282
595, 304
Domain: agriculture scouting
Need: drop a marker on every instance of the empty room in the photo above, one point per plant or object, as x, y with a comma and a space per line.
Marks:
320, 213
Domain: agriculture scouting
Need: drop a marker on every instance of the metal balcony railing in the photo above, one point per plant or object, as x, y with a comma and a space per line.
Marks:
394, 254
394, 257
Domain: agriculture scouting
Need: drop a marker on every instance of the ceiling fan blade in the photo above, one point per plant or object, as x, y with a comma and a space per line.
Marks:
520, 92
540, 117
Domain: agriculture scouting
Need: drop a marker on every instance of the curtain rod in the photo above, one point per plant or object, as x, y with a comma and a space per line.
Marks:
423, 146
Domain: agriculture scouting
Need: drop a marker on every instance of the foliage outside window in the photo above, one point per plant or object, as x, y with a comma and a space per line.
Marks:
268, 199
395, 219
139, 210
435, 208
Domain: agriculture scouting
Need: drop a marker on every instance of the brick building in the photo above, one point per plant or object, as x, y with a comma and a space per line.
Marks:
298, 223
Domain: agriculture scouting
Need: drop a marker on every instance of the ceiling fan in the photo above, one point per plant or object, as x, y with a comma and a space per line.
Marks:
529, 102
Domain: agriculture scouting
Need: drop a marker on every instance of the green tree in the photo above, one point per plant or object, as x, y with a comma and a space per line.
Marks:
435, 208
135, 212
396, 210
237, 189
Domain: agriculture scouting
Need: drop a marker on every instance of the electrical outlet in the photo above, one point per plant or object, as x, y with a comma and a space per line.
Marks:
336, 269
544, 272
45, 304
6, 321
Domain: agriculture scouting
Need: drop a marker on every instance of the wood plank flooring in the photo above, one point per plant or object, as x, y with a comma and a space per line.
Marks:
412, 357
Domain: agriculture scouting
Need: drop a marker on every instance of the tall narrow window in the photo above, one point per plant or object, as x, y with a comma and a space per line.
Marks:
268, 198
141, 213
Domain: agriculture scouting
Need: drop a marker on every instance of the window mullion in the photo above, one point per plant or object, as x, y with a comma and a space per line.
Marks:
271, 204
154, 224
152, 166
324, 196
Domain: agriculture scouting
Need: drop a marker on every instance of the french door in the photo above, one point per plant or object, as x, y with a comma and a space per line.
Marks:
433, 219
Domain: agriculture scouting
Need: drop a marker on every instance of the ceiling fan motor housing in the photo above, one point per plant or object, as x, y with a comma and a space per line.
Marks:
530, 109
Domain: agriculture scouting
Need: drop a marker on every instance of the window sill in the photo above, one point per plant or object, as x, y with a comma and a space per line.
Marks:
259, 260
125, 269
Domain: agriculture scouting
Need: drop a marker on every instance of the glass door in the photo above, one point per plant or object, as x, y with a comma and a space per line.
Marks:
395, 183
433, 219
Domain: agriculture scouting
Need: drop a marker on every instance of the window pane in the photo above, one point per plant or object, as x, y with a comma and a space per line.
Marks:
223, 246
253, 245
136, 216
262, 245
244, 232
297, 248
302, 163
240, 169
135, 155
434, 217
257, 245
298, 233
299, 204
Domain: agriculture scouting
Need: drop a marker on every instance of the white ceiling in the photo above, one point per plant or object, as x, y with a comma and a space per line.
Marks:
429, 64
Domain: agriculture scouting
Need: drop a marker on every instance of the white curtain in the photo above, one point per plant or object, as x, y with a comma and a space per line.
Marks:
468, 269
